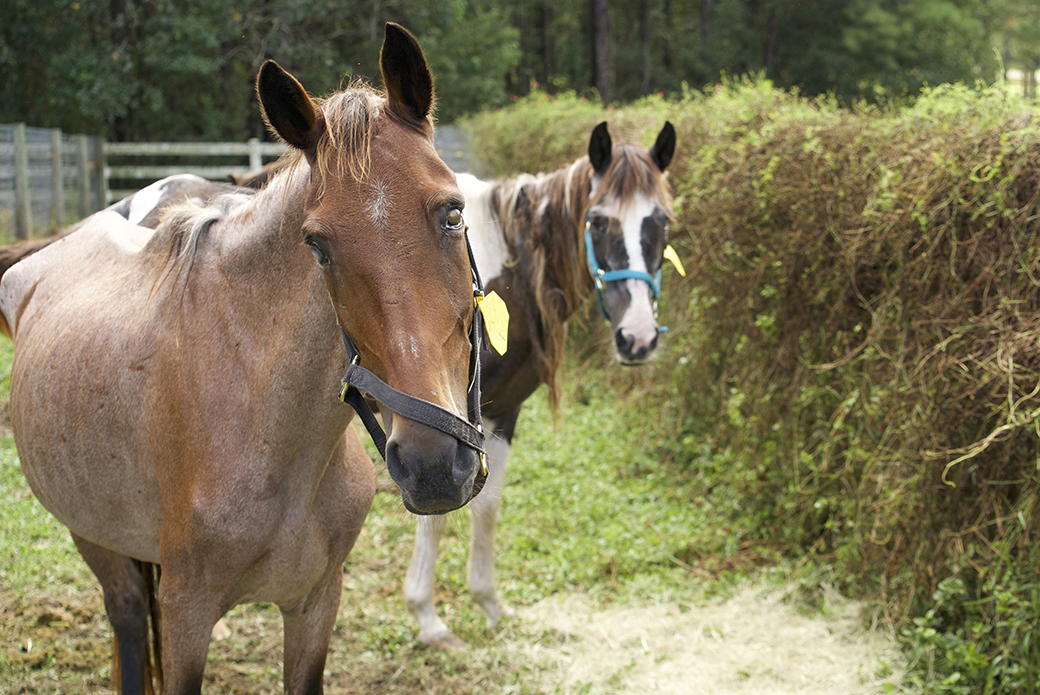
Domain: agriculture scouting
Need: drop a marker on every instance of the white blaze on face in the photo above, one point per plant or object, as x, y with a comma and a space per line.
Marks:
378, 205
485, 236
638, 320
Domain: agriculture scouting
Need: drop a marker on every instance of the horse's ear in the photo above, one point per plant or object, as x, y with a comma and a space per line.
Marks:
664, 148
287, 108
600, 148
407, 77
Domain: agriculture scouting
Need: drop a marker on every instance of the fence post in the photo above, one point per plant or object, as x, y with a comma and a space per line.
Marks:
57, 180
101, 162
22, 208
256, 162
83, 174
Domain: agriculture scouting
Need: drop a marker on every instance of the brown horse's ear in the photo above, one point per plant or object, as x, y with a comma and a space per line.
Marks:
288, 110
600, 148
407, 77
664, 148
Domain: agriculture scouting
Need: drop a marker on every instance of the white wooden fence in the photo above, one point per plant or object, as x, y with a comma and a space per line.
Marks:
194, 158
49, 179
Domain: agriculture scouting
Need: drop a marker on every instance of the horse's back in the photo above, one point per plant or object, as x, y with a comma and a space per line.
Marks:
78, 382
489, 245
103, 241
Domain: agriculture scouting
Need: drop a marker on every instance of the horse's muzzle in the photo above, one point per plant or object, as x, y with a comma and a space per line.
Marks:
435, 472
633, 350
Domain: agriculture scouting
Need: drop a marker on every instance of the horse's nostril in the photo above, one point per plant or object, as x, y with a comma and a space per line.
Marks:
398, 468
624, 342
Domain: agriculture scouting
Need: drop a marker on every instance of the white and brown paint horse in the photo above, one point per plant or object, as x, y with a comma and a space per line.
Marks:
174, 391
529, 240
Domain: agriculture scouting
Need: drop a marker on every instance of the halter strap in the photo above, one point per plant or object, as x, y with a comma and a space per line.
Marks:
357, 379
600, 276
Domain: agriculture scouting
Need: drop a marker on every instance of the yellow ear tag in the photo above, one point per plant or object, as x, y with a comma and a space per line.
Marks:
671, 255
496, 320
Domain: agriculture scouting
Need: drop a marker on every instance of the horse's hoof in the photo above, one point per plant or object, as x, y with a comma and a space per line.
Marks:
446, 642
504, 612
221, 631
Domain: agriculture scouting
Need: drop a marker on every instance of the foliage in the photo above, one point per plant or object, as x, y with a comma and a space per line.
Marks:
853, 360
164, 70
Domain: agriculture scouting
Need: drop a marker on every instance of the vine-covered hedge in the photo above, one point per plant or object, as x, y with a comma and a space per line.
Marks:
856, 352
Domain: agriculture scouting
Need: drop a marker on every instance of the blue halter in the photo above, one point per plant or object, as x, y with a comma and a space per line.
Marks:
600, 276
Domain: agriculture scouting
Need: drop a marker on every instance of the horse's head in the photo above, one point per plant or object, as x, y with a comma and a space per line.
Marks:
383, 221
626, 233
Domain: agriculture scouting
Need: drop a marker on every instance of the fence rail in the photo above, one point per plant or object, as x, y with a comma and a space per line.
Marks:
49, 179
236, 158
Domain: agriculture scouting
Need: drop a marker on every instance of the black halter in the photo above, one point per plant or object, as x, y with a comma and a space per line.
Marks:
357, 379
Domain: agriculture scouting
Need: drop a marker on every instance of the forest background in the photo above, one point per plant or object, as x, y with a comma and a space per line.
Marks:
133, 70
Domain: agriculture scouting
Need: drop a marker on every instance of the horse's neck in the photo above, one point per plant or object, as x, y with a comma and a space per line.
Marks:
260, 258
554, 226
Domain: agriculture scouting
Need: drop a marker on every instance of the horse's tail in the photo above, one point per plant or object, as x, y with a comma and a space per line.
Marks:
153, 660
9, 255
153, 673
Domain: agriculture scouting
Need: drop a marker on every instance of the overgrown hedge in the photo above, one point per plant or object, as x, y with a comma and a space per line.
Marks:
855, 355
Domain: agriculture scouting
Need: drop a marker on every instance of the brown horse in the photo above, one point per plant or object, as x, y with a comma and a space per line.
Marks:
174, 392
544, 243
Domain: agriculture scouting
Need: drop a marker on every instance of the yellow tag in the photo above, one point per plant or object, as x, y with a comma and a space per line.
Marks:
496, 320
671, 255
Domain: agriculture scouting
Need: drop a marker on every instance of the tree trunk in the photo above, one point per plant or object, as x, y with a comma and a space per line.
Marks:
545, 20
121, 40
706, 10
771, 39
600, 78
644, 38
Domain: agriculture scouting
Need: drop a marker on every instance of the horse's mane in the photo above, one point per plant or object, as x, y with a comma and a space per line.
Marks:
344, 148
631, 172
543, 220
532, 211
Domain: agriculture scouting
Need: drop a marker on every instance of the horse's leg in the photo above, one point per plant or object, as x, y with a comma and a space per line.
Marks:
127, 607
308, 630
189, 613
418, 585
484, 508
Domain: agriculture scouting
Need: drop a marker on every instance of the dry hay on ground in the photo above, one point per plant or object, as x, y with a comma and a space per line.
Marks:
755, 642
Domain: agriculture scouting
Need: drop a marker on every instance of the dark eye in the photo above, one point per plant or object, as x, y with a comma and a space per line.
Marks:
319, 254
454, 220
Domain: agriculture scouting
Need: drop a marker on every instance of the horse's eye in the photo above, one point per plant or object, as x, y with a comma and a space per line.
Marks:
454, 219
318, 253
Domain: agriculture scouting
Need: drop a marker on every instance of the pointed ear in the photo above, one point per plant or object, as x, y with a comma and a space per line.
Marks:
286, 108
664, 148
407, 77
600, 148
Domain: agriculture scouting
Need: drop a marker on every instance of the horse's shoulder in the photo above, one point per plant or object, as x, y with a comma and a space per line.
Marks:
102, 242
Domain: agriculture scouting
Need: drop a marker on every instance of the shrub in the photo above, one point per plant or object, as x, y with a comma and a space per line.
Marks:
855, 359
